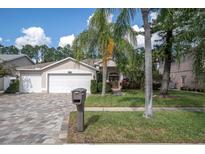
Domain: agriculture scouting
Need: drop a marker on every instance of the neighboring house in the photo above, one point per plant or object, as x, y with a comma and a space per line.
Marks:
182, 75
113, 75
56, 77
11, 61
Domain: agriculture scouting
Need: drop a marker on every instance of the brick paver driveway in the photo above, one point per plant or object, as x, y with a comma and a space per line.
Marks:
33, 118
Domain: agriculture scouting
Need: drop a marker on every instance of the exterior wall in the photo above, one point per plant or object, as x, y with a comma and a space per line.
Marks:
182, 70
27, 73
69, 64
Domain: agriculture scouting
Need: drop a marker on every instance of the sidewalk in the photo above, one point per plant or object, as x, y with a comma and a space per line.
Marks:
125, 109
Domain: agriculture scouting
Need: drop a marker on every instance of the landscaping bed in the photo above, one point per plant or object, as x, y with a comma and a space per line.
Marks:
132, 127
135, 98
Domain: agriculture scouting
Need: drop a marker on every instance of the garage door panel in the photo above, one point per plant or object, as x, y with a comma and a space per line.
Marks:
66, 83
30, 83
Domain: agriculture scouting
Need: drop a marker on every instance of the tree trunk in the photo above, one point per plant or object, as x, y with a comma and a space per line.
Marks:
167, 64
104, 77
148, 64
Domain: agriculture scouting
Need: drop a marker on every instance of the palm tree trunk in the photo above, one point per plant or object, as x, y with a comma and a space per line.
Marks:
104, 77
167, 65
148, 65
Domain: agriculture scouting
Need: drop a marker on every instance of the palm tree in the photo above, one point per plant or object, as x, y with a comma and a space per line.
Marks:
164, 24
148, 64
98, 36
122, 26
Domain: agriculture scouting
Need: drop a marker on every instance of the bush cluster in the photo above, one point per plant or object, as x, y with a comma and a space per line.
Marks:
192, 89
13, 87
96, 87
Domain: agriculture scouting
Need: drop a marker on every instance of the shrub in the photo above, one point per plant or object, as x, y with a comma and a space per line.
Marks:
107, 89
13, 87
94, 87
99, 87
156, 86
182, 88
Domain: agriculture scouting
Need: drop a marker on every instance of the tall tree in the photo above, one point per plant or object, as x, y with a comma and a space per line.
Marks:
50, 55
165, 26
130, 62
121, 29
9, 49
98, 36
148, 64
30, 51
182, 32
64, 52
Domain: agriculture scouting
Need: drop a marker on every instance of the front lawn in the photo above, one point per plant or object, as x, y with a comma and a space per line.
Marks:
131, 127
135, 98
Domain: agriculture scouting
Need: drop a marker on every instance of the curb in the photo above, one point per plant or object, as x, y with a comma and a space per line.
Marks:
125, 109
64, 130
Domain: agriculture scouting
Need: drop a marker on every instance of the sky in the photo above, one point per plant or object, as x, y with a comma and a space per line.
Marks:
52, 27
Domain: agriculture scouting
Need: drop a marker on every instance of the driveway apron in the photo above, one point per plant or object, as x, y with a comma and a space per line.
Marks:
33, 118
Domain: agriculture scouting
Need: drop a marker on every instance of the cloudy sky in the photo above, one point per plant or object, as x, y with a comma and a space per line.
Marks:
53, 27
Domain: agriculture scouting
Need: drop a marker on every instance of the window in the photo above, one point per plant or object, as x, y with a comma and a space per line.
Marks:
183, 80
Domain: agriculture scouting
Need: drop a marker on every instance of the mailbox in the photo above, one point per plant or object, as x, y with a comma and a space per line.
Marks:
78, 98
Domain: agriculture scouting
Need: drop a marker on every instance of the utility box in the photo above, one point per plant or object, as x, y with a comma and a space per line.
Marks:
78, 98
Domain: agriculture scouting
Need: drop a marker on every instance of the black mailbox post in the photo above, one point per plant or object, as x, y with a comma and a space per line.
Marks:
78, 98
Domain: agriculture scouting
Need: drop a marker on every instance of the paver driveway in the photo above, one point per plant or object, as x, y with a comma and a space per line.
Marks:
32, 118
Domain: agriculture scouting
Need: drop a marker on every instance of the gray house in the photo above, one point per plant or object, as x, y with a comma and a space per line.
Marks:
11, 61
182, 75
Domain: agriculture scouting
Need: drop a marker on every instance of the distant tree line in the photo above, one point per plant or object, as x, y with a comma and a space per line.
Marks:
43, 53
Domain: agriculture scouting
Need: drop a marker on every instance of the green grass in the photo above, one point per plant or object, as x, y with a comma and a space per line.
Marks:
135, 98
132, 127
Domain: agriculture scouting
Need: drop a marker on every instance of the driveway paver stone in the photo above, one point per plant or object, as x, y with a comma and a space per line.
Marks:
33, 118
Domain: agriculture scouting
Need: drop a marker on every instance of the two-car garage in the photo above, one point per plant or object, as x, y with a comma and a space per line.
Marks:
57, 77
61, 83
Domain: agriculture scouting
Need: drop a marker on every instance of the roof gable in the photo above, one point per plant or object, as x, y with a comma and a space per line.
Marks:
52, 64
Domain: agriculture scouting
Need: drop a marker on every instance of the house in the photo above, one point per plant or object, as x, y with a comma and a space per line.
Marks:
11, 61
114, 77
56, 77
182, 75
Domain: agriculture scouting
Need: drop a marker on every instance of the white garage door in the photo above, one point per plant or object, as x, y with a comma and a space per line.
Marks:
30, 83
64, 83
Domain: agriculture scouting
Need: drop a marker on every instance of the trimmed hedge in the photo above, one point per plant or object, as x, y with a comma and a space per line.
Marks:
97, 87
13, 87
93, 87
107, 88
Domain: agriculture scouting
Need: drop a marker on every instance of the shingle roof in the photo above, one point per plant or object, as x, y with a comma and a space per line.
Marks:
43, 66
94, 62
10, 57
37, 66
91, 61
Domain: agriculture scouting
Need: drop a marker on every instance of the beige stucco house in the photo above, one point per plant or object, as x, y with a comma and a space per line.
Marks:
182, 75
11, 61
114, 76
56, 77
